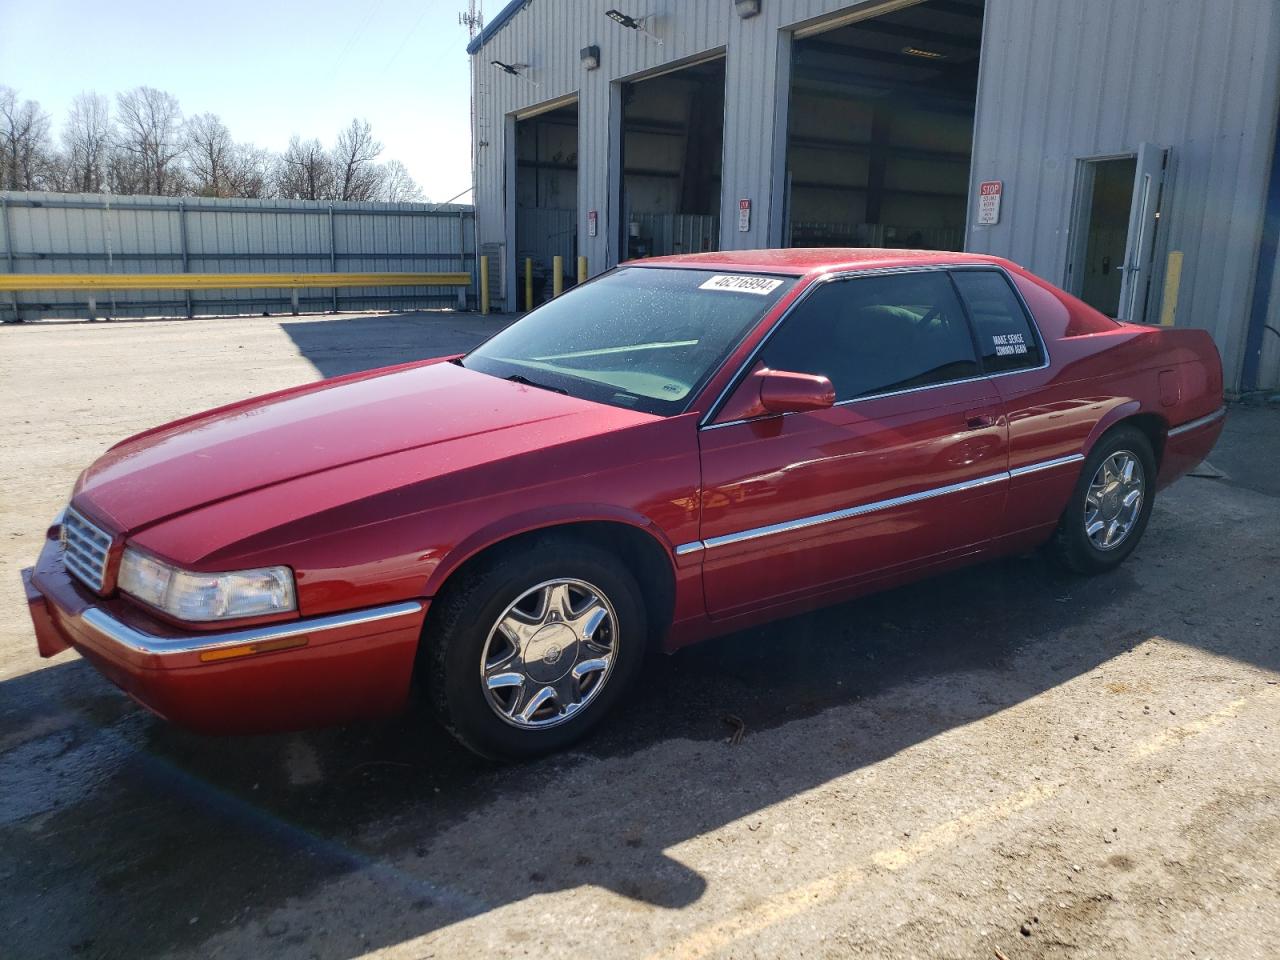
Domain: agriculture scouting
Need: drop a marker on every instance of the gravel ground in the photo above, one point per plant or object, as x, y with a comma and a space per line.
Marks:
1005, 761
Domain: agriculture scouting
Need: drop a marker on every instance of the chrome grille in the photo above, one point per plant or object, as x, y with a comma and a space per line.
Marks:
85, 550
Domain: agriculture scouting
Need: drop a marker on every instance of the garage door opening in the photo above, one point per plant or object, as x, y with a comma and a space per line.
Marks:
672, 140
546, 199
880, 129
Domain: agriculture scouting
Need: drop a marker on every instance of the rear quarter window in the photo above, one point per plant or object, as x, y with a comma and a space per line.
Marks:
1007, 339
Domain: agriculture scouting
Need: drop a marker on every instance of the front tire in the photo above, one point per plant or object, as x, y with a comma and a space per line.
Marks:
1110, 505
531, 650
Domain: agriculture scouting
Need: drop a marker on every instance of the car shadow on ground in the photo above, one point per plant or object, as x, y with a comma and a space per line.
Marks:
341, 345
119, 817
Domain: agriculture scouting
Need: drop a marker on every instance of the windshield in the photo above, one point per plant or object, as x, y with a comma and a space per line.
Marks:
646, 338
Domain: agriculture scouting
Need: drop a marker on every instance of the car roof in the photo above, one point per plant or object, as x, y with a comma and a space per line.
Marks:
801, 261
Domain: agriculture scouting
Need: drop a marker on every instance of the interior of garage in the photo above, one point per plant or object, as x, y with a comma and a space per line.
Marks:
880, 129
672, 140
546, 197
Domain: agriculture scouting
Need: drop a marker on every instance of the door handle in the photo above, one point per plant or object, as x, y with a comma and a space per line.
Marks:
979, 421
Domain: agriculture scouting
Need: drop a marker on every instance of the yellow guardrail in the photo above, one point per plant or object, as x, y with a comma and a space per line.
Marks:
15, 282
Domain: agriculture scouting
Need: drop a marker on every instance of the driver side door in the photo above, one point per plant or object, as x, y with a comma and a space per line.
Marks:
908, 467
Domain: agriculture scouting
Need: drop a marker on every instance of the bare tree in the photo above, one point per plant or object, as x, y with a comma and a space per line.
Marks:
25, 151
357, 175
123, 175
86, 144
305, 171
149, 142
397, 185
210, 155
250, 171
147, 148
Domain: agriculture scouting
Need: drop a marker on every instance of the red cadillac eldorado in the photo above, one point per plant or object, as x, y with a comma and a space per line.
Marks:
682, 447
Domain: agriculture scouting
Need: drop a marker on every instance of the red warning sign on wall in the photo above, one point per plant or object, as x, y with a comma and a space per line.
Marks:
989, 193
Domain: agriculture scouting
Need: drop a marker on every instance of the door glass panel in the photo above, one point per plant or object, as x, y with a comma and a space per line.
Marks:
1144, 213
873, 335
1004, 331
1106, 232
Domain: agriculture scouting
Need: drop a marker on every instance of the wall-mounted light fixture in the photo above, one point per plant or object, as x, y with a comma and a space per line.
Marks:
924, 54
746, 8
620, 18
515, 69
632, 23
590, 57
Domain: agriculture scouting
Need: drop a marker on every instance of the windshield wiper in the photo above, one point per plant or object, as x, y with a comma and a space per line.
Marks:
525, 381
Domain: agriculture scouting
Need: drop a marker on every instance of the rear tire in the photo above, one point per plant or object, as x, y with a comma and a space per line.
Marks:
530, 651
1110, 505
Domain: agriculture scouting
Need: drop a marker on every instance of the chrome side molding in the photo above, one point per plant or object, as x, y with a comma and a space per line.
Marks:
1200, 422
139, 641
1046, 465
874, 507
850, 512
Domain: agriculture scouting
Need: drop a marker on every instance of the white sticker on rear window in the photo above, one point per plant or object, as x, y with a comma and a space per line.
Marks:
1007, 344
741, 284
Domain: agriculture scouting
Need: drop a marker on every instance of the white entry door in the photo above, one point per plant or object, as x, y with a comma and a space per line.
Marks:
1139, 253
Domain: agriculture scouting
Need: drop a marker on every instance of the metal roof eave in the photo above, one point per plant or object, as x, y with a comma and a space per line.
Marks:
496, 24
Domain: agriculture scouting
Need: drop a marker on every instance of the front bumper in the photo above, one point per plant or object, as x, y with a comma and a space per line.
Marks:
282, 676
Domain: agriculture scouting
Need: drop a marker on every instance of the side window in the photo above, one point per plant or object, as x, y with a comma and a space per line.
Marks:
877, 334
1004, 331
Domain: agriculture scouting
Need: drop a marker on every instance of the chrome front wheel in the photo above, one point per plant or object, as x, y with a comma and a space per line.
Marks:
1113, 502
549, 654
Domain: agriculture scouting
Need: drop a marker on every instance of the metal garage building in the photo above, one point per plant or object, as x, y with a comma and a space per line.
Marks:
1125, 149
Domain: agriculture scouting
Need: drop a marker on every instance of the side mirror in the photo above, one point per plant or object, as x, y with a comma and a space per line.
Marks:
785, 392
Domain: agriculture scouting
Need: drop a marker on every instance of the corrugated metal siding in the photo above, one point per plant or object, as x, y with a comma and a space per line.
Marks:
545, 233
1062, 81
90, 233
547, 35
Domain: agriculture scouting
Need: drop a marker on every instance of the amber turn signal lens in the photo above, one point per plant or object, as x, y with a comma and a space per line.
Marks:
249, 649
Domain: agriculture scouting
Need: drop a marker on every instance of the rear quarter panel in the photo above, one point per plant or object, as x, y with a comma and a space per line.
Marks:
1100, 373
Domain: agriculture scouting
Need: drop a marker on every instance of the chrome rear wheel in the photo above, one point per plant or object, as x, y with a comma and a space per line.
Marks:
1113, 502
1108, 511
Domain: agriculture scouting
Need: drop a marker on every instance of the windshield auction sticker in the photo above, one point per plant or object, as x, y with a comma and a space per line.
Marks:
740, 284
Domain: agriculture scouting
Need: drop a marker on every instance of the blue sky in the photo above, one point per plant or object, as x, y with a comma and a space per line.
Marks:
269, 69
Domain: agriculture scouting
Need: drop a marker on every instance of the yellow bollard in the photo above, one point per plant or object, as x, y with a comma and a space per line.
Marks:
484, 286
528, 283
1172, 281
582, 269
557, 276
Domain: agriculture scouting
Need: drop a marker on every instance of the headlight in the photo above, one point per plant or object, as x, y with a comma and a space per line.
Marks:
206, 596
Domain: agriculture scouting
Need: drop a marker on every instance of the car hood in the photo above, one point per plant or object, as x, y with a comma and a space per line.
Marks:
234, 450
